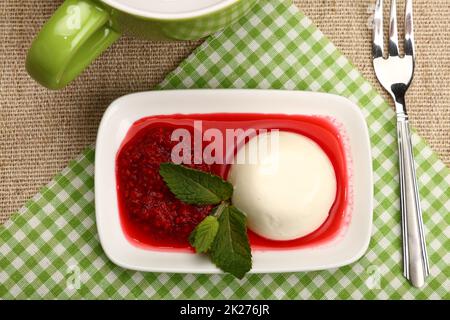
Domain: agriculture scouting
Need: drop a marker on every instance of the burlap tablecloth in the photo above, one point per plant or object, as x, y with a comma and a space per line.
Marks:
41, 130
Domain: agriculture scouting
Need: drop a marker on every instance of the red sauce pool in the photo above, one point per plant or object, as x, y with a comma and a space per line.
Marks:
153, 218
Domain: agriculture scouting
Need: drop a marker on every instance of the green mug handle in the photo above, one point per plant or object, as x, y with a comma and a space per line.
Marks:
77, 33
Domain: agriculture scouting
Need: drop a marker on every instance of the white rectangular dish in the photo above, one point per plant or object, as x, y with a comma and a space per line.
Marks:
123, 112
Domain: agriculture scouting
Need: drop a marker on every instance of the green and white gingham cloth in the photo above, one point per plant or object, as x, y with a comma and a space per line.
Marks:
50, 248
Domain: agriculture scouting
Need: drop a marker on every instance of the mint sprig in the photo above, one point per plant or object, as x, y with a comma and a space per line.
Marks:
202, 237
230, 250
222, 234
194, 186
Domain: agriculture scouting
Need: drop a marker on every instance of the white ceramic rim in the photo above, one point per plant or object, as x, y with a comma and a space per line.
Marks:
169, 16
123, 112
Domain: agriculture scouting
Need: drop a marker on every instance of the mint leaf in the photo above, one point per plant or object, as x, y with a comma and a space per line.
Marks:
194, 186
224, 233
230, 250
204, 234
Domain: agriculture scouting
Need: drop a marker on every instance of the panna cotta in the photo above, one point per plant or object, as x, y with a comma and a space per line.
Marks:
288, 192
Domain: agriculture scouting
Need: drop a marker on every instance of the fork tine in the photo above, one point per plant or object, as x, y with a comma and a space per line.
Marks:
393, 33
409, 29
377, 48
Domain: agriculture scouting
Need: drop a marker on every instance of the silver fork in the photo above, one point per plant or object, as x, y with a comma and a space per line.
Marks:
395, 74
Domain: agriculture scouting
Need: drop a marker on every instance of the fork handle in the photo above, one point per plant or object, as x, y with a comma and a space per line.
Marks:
415, 259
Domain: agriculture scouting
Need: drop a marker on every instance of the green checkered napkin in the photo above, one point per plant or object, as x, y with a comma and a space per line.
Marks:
51, 249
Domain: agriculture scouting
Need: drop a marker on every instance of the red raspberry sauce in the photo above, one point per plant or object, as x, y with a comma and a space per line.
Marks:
153, 218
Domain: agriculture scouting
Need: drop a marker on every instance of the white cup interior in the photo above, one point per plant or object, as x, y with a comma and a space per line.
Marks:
169, 8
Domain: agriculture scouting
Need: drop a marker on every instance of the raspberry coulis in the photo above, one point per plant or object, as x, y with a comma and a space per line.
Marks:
153, 218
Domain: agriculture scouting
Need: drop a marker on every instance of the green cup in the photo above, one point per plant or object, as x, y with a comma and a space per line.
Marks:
80, 30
